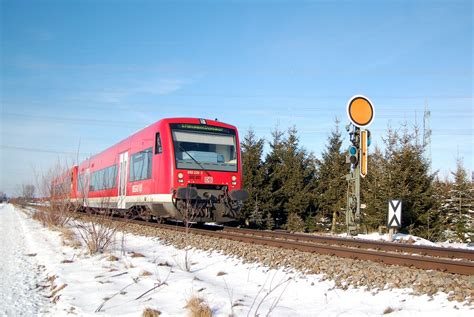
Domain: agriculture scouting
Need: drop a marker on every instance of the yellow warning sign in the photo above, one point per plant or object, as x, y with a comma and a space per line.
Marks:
360, 111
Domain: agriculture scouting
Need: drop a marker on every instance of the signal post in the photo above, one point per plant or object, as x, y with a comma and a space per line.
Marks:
361, 113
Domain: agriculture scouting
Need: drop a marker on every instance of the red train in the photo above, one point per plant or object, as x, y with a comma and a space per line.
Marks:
175, 168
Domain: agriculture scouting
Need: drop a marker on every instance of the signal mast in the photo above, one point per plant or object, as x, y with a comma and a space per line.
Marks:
361, 113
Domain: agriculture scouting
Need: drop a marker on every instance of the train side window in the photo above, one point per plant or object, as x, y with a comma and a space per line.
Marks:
140, 165
158, 147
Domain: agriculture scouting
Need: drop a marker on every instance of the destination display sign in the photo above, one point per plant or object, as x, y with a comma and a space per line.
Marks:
201, 127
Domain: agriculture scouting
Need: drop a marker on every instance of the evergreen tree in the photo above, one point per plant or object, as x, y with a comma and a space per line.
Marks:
290, 177
269, 221
295, 223
253, 176
310, 222
458, 206
274, 178
299, 181
409, 179
373, 191
442, 189
331, 184
256, 216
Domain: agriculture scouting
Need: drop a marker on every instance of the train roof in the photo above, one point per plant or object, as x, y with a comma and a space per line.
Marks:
190, 120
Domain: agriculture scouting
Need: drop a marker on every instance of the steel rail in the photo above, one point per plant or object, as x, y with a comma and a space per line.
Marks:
454, 253
418, 261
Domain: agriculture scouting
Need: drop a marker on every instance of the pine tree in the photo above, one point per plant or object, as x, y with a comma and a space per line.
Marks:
373, 191
253, 173
256, 216
274, 179
295, 223
331, 184
409, 179
458, 206
299, 181
290, 177
310, 222
269, 221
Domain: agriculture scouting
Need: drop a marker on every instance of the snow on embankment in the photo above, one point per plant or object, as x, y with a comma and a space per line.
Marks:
20, 272
410, 239
141, 272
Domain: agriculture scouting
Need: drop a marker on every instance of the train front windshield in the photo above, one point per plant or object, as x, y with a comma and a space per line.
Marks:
202, 147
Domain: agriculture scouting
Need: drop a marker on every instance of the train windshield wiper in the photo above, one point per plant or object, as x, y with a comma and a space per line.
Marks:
196, 161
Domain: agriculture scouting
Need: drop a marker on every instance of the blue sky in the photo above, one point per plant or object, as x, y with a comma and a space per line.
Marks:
85, 74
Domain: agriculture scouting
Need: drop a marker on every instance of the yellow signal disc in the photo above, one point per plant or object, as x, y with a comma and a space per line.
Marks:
360, 111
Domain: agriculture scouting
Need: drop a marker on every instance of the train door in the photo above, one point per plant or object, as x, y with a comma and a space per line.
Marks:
122, 187
87, 175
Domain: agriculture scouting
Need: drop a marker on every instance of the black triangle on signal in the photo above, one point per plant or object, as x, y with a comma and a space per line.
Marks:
395, 206
394, 218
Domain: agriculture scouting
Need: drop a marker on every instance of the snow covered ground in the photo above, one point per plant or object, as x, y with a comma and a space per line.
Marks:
102, 285
411, 239
20, 270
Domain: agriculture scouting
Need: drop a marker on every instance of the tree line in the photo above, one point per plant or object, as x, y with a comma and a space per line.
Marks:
293, 189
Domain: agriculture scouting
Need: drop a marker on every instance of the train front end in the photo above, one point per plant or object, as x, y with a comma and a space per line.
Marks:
207, 171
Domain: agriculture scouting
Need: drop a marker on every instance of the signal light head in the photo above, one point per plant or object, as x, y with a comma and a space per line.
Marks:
353, 159
352, 150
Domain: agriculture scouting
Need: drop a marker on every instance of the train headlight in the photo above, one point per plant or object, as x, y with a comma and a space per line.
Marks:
180, 175
234, 178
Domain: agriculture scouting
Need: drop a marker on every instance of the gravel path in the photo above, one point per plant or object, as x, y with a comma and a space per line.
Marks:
19, 272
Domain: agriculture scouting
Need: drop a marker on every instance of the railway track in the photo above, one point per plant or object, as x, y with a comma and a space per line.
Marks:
443, 259
450, 260
450, 253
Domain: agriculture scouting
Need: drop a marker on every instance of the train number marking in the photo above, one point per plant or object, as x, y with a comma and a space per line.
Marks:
137, 188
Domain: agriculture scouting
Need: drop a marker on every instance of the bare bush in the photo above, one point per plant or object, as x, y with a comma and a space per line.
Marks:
198, 307
189, 217
98, 233
28, 192
55, 188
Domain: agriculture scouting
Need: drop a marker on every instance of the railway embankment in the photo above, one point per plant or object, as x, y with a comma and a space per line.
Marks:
345, 272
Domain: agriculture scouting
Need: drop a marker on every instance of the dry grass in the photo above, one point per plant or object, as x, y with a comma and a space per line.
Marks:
136, 255
112, 258
388, 310
198, 307
69, 238
150, 312
51, 218
221, 273
164, 264
145, 273
56, 290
